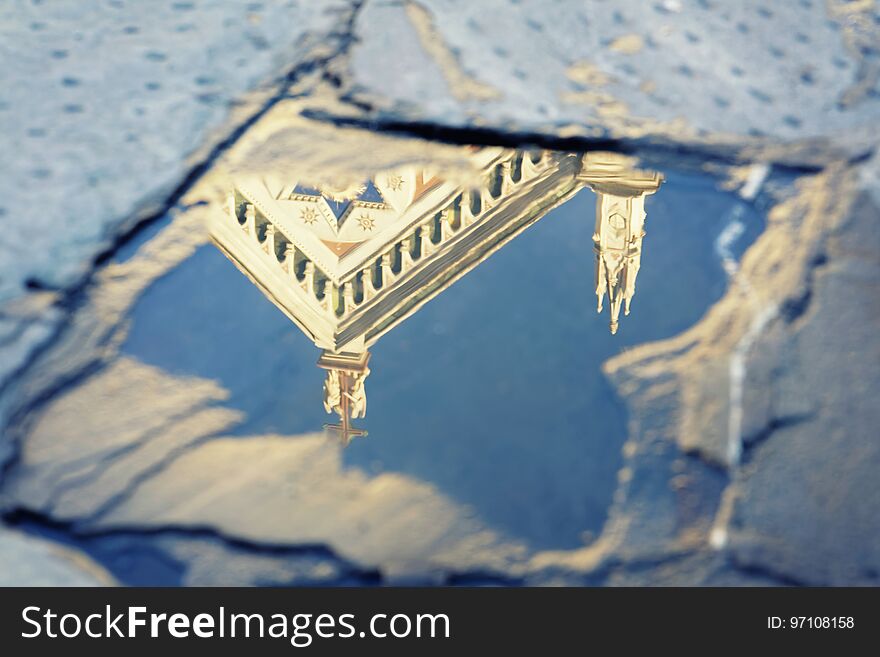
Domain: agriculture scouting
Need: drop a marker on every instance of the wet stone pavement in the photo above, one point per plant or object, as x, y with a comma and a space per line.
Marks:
320, 308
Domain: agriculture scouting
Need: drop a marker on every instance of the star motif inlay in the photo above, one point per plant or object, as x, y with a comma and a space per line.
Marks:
395, 182
366, 222
309, 215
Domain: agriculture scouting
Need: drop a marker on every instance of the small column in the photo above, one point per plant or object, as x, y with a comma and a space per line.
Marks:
308, 281
288, 262
330, 301
230, 203
406, 261
426, 246
348, 303
445, 226
367, 282
486, 200
268, 244
250, 220
506, 177
467, 217
387, 274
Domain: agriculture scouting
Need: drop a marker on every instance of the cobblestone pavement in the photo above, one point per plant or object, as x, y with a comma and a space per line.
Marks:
752, 452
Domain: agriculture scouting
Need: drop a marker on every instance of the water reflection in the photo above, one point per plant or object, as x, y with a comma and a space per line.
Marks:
349, 262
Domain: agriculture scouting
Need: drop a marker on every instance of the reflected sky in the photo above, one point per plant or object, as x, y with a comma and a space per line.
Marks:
492, 391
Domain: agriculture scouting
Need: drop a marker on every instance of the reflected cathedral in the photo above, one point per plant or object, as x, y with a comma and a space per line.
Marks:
347, 263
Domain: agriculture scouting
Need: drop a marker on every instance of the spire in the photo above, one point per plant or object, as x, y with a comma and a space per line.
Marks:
620, 219
618, 253
344, 391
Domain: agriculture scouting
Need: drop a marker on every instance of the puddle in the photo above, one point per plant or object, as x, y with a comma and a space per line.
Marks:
454, 323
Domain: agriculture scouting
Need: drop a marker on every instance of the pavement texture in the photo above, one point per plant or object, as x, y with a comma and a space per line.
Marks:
752, 454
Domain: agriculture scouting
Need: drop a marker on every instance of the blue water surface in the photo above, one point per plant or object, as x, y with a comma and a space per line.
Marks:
493, 391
